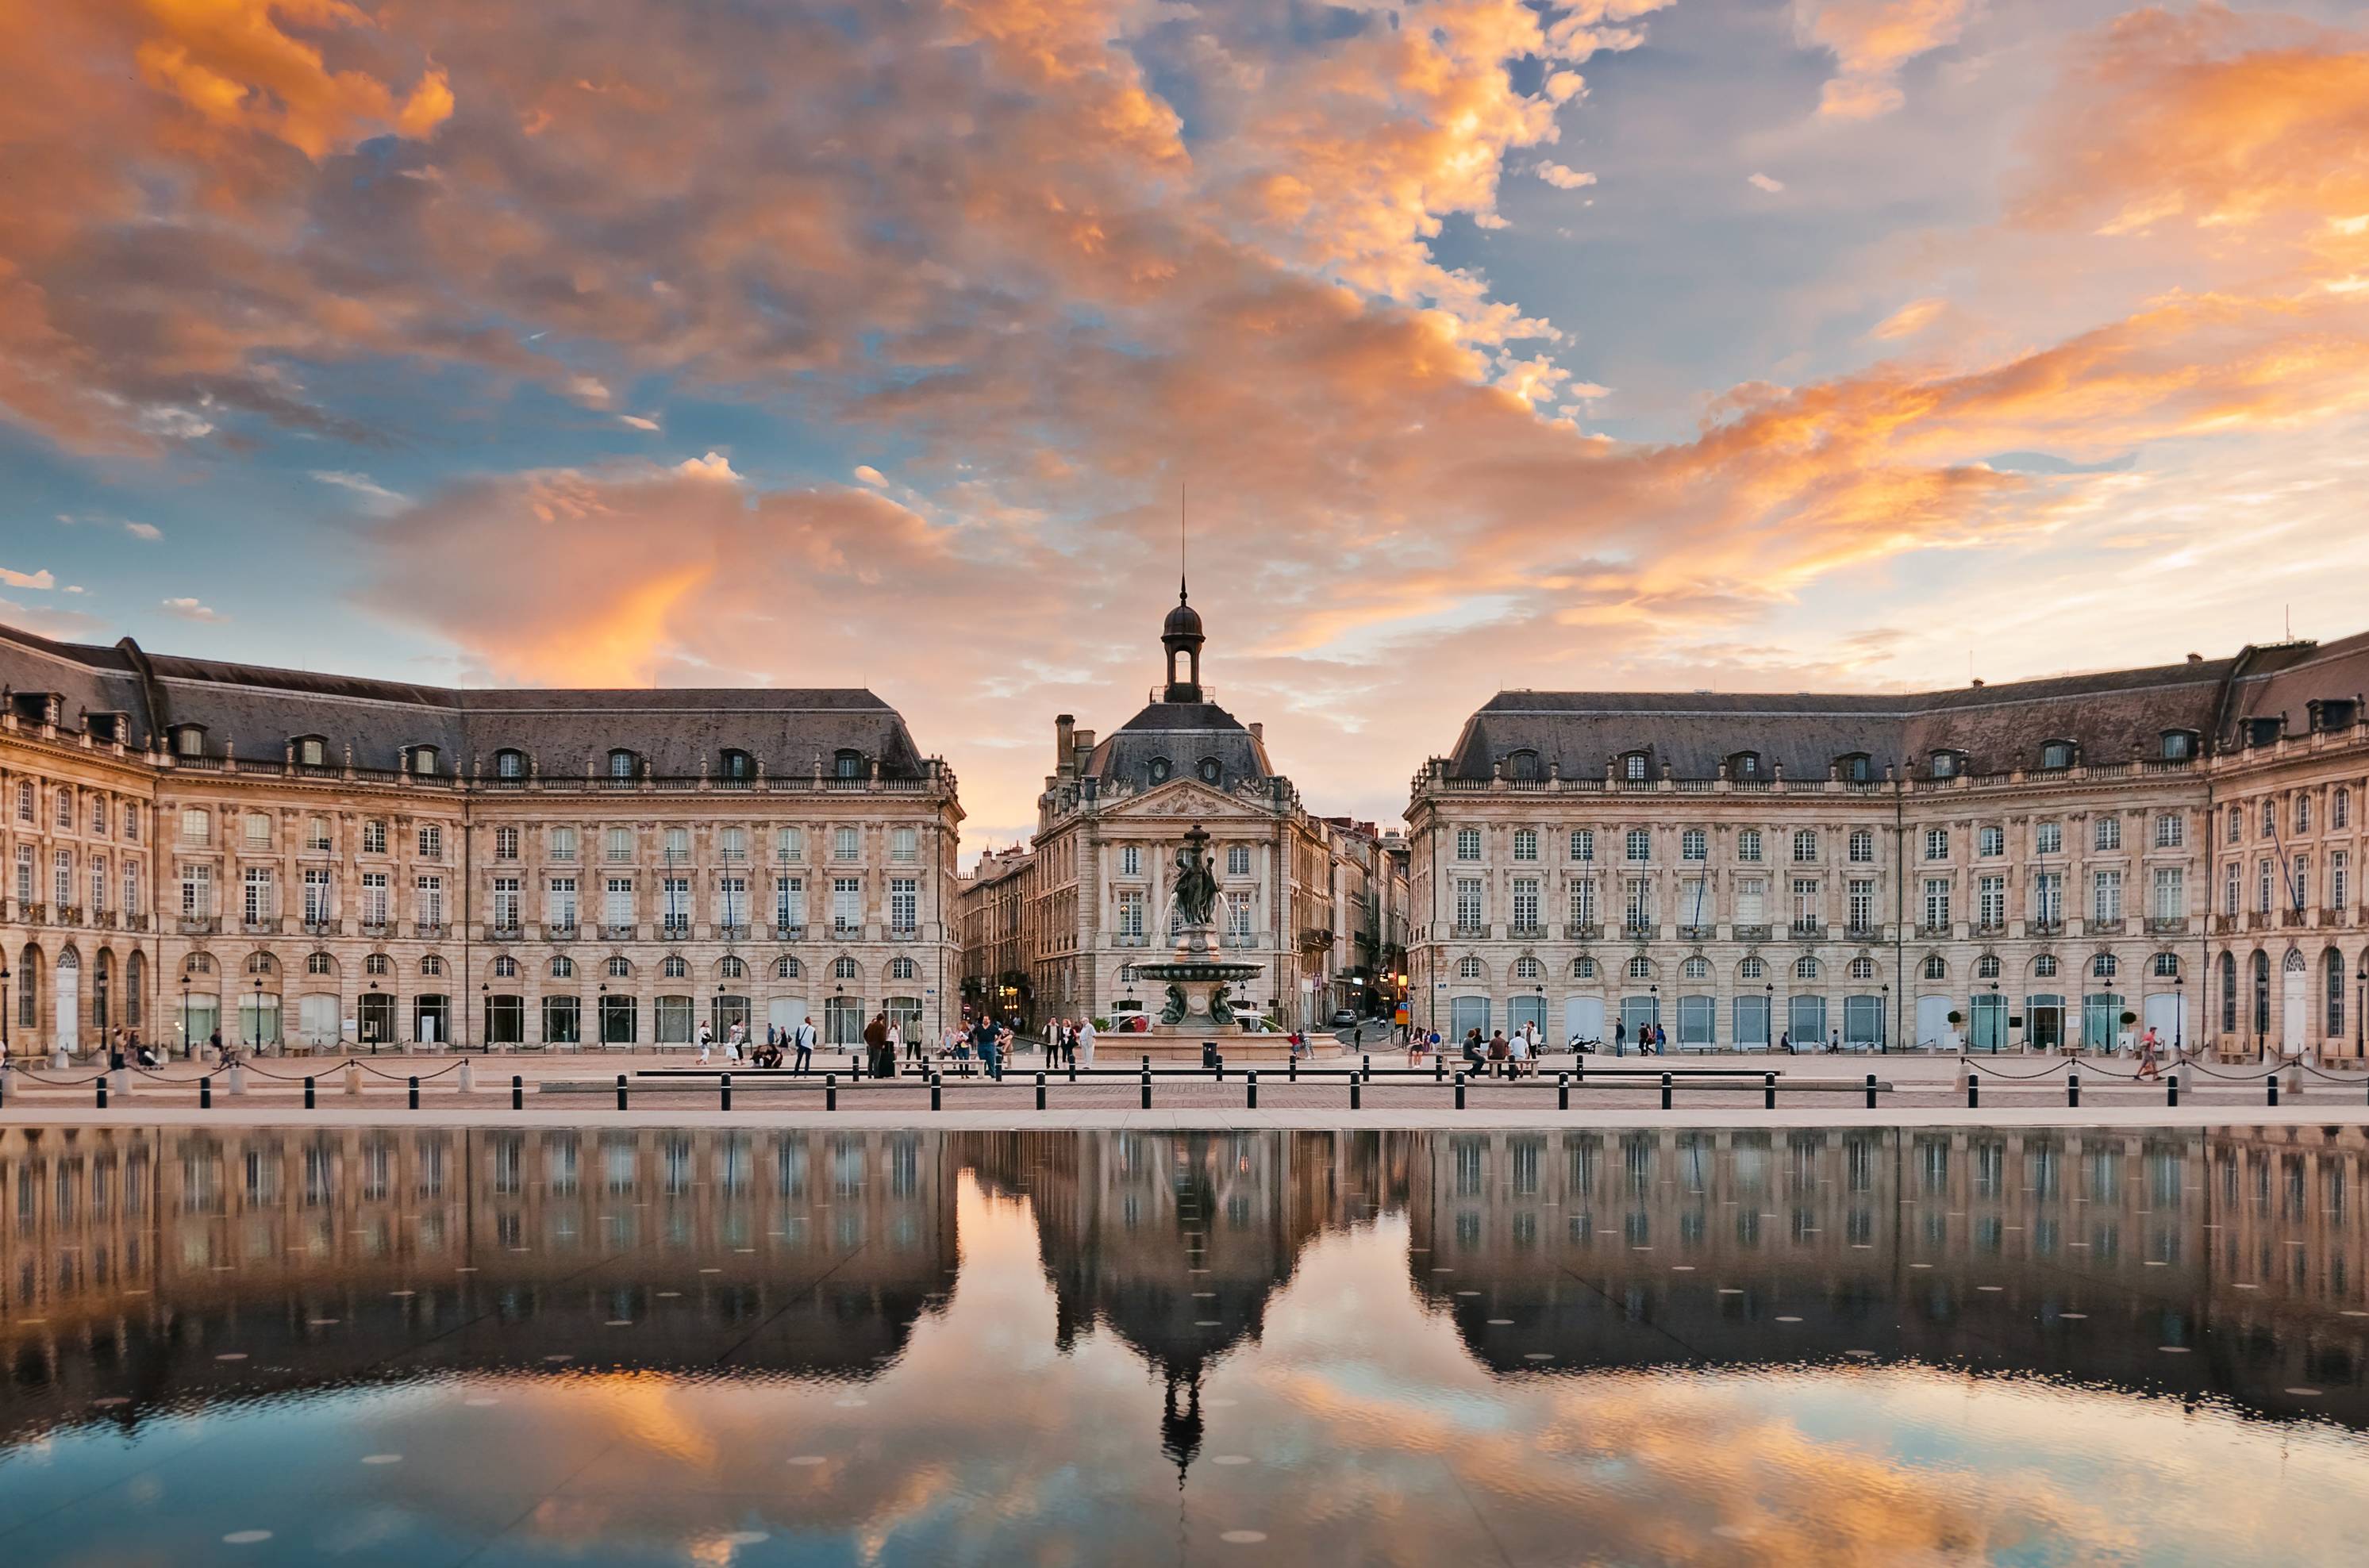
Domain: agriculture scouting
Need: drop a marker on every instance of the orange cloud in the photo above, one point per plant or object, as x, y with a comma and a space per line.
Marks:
1870, 41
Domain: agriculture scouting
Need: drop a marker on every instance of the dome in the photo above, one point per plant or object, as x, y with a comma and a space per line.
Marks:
1183, 622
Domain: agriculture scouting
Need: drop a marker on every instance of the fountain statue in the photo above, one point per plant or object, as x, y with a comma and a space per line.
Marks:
1200, 984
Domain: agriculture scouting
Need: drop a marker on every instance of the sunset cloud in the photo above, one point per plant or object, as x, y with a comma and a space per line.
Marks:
1870, 41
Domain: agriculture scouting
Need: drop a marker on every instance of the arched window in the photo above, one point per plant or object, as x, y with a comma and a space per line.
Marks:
1528, 969
1856, 766
1986, 967
199, 964
730, 968
847, 764
320, 964
1948, 764
1747, 845
1633, 765
2044, 967
673, 968
506, 967
189, 741
2055, 754
2262, 993
421, 759
1937, 967
2166, 965
1862, 968
2332, 982
845, 969
1522, 765
259, 964
1805, 967
1696, 967
509, 764
2103, 966
311, 751
1752, 969
432, 965
2228, 994
1467, 968
2179, 745
623, 763
786, 968
563, 969
902, 970
1210, 770
1641, 968
1745, 765
1583, 968
620, 969
378, 964
1160, 768
738, 764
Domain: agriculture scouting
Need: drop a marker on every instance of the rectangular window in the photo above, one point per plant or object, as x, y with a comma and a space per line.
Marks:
732, 897
255, 829
1752, 900
506, 843
2107, 832
2229, 892
98, 885
1582, 902
846, 904
1694, 906
2303, 814
1936, 902
428, 904
790, 900
1238, 860
2170, 893
789, 844
1862, 905
617, 901
1525, 843
1805, 846
2237, 826
1937, 843
563, 844
1468, 844
1525, 901
732, 844
1990, 897
256, 897
2262, 887
24, 874
131, 824
61, 887
431, 842
1807, 909
2340, 881
842, 844
1862, 847
1130, 914
1467, 902
618, 846
674, 902
2048, 837
1694, 844
317, 896
1637, 902
2301, 891
131, 885
316, 833
1130, 860
1640, 845
1238, 921
197, 892
904, 904
559, 903
1990, 842
2106, 895
195, 825
905, 846
678, 846
373, 838
375, 897
1583, 844
2170, 831
2048, 897
506, 903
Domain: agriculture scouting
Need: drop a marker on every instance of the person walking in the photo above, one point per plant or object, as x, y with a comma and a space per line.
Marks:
707, 1043
1620, 1036
732, 1039
1082, 1044
2148, 1046
1834, 1042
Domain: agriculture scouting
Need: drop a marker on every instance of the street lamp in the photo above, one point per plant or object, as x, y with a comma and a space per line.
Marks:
2178, 1014
373, 1034
2361, 997
485, 1016
1884, 1043
1769, 1013
257, 1041
1999, 1019
1655, 993
189, 1045
4, 1010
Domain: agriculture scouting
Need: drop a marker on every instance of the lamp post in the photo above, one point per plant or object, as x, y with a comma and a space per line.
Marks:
257, 1043
1883, 1041
484, 1018
1654, 993
2178, 1014
189, 1045
1769, 1013
1998, 1018
373, 1034
2361, 998
3, 1009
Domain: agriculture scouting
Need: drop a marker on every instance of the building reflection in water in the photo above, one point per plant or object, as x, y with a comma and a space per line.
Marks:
128, 1256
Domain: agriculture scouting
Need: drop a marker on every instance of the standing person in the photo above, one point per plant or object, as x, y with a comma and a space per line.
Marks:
1620, 1036
1082, 1043
879, 1062
803, 1038
1520, 1051
732, 1039
1834, 1042
896, 1040
706, 1042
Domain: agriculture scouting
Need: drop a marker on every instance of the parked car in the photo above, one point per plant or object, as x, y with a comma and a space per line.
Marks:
1344, 1018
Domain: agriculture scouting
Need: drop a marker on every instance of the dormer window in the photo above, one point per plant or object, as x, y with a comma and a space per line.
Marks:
189, 741
1210, 770
1948, 764
1632, 767
1856, 766
1745, 765
420, 759
1160, 769
311, 752
509, 762
2178, 745
622, 763
1522, 765
738, 765
2265, 731
2056, 754
847, 764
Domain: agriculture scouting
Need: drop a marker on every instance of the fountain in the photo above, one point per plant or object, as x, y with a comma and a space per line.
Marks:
1199, 1004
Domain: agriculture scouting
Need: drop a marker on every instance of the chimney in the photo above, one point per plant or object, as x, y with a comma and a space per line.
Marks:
1258, 732
1085, 744
2195, 658
1065, 727
1978, 680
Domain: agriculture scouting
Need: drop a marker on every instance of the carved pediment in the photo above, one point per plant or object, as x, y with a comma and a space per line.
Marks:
1186, 798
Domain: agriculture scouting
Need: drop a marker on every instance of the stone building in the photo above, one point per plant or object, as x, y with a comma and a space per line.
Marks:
323, 859
1996, 866
998, 909
1108, 826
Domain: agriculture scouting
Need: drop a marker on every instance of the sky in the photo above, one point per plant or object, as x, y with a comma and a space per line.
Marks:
1628, 344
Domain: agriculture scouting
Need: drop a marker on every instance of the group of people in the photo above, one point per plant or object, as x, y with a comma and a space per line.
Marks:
1502, 1054
794, 1044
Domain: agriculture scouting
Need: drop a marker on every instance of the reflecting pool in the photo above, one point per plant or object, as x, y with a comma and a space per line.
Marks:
439, 1345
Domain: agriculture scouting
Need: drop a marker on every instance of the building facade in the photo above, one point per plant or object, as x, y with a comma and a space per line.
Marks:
284, 857
998, 911
2043, 864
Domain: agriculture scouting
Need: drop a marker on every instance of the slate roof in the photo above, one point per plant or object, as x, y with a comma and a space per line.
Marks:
258, 710
1183, 735
1997, 728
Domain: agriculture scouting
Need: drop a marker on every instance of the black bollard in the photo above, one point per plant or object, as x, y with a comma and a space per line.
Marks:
518, 1093
206, 1093
2171, 1091
1460, 1091
1221, 1067
1973, 1090
415, 1091
727, 1087
1251, 1090
1356, 1094
309, 1100
1369, 1065
1666, 1091
1292, 1071
1146, 1086
831, 1090
937, 1092
1040, 1090
1768, 1090
621, 1091
2272, 1083
2072, 1088
1563, 1091
1870, 1090
1579, 1070
101, 1082
1438, 1065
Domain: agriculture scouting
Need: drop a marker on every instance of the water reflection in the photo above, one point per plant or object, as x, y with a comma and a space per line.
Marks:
1037, 1334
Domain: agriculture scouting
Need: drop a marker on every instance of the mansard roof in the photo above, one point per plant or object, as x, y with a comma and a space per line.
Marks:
1991, 729
1183, 735
256, 710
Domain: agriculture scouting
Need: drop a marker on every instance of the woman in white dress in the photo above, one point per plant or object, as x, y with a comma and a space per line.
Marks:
1085, 1042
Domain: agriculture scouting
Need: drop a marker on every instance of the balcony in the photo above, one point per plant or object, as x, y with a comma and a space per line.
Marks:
267, 926
2044, 927
1467, 933
1807, 931
1131, 939
1753, 933
320, 928
617, 932
2291, 918
559, 931
511, 932
106, 922
904, 933
1527, 932
674, 928
786, 933
1933, 930
135, 923
432, 931
188, 925
2102, 928
846, 931
1638, 930
1584, 931
1857, 932
371, 928
733, 933
1697, 933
